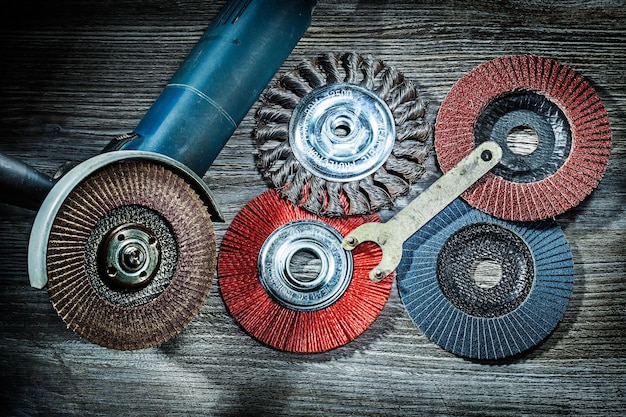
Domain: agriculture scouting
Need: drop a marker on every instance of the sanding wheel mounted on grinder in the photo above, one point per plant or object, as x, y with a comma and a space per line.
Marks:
130, 249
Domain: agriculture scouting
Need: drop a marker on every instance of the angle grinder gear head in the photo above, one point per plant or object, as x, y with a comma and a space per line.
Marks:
342, 134
125, 245
550, 123
482, 287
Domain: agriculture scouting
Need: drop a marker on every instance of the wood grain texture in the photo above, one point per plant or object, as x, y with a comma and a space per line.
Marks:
75, 74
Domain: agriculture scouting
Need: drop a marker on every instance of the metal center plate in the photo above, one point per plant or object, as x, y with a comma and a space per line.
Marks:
109, 289
342, 132
294, 290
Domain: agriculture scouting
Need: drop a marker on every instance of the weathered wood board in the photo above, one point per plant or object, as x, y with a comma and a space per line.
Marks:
75, 74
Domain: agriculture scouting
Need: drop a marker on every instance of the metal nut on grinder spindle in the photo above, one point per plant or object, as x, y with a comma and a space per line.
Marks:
130, 255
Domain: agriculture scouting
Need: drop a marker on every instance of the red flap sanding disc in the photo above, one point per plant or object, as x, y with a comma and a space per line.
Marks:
565, 131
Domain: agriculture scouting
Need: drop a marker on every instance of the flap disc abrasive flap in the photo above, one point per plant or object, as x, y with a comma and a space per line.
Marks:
550, 123
482, 287
131, 254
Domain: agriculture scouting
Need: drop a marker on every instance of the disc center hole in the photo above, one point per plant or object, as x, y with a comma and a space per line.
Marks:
486, 273
342, 127
342, 131
304, 266
522, 140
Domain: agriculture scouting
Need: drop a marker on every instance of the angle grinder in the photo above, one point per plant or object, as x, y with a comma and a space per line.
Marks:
124, 241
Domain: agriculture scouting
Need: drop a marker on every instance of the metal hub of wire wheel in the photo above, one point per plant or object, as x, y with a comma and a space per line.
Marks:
342, 132
294, 288
131, 252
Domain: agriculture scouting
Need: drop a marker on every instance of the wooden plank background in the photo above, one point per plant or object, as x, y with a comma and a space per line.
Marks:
77, 73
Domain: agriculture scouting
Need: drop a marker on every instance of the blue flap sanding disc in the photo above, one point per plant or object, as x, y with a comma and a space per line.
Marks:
529, 280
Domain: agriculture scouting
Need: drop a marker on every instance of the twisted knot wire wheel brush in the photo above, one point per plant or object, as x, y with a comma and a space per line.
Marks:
552, 126
482, 287
286, 280
342, 134
131, 253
